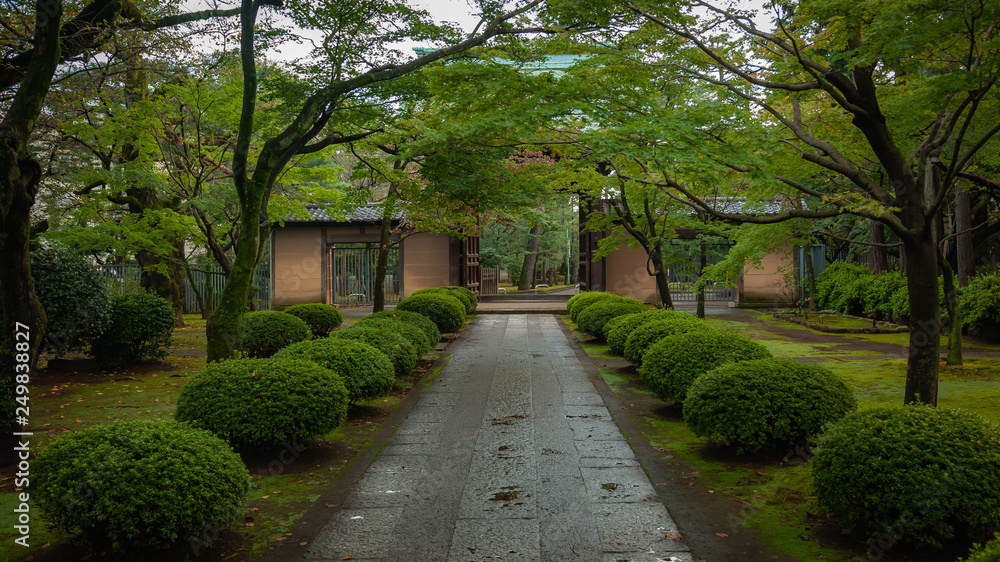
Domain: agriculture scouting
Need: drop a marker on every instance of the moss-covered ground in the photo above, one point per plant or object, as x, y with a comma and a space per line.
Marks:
771, 493
72, 393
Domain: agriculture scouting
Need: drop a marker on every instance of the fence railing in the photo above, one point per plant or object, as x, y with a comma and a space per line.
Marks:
351, 274
209, 281
490, 283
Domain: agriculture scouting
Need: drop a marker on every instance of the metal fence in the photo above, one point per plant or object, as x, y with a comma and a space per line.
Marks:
490, 283
684, 271
124, 278
351, 274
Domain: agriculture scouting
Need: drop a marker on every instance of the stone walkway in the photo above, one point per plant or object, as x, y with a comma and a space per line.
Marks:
509, 455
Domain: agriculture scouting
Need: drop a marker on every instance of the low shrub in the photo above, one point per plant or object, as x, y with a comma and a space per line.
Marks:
651, 332
924, 475
262, 402
989, 552
139, 485
74, 296
141, 328
467, 297
980, 302
413, 334
429, 328
617, 330
366, 371
263, 333
841, 287
446, 311
670, 365
579, 302
765, 403
321, 318
387, 340
593, 318
878, 297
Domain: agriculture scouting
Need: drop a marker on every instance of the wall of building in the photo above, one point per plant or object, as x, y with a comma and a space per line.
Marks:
626, 274
426, 262
769, 284
297, 266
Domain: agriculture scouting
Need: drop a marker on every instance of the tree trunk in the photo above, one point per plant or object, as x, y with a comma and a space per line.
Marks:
222, 328
879, 254
384, 244
527, 279
167, 285
921, 260
966, 261
810, 279
702, 262
662, 283
954, 313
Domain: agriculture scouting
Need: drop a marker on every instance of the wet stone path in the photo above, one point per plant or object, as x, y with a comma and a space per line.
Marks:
509, 455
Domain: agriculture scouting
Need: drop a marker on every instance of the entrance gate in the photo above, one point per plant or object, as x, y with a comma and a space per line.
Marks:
684, 257
350, 275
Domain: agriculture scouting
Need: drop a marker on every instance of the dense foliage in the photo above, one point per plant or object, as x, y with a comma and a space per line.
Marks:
933, 472
366, 371
74, 296
670, 365
264, 332
429, 328
413, 334
262, 402
468, 298
141, 327
579, 302
593, 318
989, 552
446, 311
617, 330
842, 288
981, 305
139, 485
321, 318
765, 403
387, 340
653, 331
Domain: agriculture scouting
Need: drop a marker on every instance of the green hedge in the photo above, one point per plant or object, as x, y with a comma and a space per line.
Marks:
651, 332
467, 297
74, 296
981, 305
141, 328
263, 402
366, 371
670, 365
387, 340
579, 302
413, 334
263, 333
765, 403
429, 328
617, 330
593, 318
930, 475
842, 287
446, 311
136, 486
321, 318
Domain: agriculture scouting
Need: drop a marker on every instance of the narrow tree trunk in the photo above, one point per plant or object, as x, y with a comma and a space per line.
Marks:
879, 254
810, 279
660, 274
966, 261
527, 279
954, 313
921, 259
384, 244
702, 262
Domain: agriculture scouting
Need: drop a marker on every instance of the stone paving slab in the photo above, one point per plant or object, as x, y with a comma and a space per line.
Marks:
510, 454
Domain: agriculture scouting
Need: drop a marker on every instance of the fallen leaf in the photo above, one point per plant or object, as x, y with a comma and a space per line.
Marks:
279, 538
249, 524
723, 535
762, 473
672, 536
333, 505
303, 543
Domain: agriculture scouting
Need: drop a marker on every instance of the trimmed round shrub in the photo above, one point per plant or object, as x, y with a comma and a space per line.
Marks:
138, 485
467, 297
928, 474
387, 340
670, 365
413, 334
262, 402
321, 318
651, 332
264, 332
617, 330
765, 403
981, 305
989, 552
593, 318
429, 328
366, 371
579, 302
446, 311
75, 298
141, 328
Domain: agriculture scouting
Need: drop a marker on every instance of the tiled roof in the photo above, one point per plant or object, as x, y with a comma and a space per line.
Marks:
371, 212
